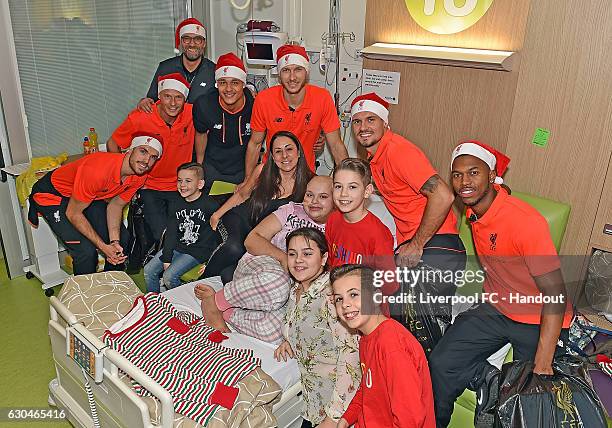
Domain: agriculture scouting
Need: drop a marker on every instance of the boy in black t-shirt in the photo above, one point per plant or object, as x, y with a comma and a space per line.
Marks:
189, 239
222, 119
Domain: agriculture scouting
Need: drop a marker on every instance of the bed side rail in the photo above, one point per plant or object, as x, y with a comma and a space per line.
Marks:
118, 362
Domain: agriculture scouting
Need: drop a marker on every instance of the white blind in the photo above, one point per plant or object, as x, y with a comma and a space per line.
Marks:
86, 63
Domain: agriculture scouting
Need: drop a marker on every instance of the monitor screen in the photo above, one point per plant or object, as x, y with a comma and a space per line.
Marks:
260, 51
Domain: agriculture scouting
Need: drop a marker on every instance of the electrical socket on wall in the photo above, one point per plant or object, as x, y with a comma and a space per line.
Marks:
350, 74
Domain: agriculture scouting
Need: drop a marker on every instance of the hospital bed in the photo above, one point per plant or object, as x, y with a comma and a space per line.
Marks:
269, 396
98, 301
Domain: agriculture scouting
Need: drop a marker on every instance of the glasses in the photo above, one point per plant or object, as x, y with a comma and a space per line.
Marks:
197, 40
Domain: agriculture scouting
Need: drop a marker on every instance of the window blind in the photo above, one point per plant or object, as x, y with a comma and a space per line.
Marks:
86, 63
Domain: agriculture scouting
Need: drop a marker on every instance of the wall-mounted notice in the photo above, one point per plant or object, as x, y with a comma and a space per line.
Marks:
384, 83
540, 137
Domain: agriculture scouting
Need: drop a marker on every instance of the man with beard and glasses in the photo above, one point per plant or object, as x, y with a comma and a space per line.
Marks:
73, 200
199, 71
296, 106
514, 246
222, 119
172, 122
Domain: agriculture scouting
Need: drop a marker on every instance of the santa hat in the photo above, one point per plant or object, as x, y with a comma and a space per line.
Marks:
188, 26
174, 81
292, 55
496, 161
142, 139
372, 103
229, 65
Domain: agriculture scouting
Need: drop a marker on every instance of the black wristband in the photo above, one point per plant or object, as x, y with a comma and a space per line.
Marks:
113, 241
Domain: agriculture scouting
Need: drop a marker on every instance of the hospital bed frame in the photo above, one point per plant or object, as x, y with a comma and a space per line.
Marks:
117, 404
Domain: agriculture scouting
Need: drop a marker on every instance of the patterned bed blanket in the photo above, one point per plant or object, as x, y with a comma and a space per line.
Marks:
101, 299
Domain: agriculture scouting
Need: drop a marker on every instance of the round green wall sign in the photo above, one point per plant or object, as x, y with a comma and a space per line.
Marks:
447, 16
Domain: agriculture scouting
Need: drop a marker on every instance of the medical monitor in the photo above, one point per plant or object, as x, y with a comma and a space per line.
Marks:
260, 47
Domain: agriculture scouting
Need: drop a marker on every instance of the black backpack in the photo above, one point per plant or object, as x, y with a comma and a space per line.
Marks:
141, 242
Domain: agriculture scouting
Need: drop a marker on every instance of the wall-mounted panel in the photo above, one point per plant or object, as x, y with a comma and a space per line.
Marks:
501, 28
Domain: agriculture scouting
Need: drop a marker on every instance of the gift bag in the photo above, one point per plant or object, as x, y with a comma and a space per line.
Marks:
427, 320
563, 400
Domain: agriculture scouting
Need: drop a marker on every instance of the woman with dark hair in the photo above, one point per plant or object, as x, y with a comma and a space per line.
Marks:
326, 352
282, 179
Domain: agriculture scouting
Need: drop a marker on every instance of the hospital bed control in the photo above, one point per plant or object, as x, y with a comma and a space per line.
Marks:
84, 352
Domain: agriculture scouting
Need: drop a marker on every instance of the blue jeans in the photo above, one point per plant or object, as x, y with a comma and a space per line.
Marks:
180, 264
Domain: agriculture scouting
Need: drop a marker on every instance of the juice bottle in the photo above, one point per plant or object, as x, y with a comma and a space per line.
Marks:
93, 140
86, 146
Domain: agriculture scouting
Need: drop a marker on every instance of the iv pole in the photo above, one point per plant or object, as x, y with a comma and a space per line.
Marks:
334, 37
334, 31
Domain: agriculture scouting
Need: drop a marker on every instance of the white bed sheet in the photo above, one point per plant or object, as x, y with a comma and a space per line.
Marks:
286, 374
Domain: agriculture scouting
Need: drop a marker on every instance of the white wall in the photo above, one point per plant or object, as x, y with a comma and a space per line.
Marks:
224, 20
304, 20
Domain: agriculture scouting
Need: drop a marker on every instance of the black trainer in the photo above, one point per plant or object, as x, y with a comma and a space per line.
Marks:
487, 397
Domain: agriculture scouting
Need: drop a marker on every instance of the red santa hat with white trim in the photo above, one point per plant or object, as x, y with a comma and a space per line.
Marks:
188, 26
495, 160
372, 103
174, 81
229, 65
144, 139
292, 55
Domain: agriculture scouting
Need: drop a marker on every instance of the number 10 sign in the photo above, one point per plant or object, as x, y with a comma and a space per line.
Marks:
447, 16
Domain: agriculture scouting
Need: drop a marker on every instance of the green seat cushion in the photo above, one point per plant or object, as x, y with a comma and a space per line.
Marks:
192, 274
462, 417
555, 213
221, 188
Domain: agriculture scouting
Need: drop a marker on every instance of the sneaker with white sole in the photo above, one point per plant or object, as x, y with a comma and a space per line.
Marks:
487, 397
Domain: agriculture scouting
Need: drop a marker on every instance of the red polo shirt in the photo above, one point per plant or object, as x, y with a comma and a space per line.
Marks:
317, 112
177, 143
400, 169
96, 176
513, 243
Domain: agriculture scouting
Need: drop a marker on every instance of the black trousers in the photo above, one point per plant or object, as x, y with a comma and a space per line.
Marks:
306, 424
155, 210
224, 260
443, 251
460, 356
84, 253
